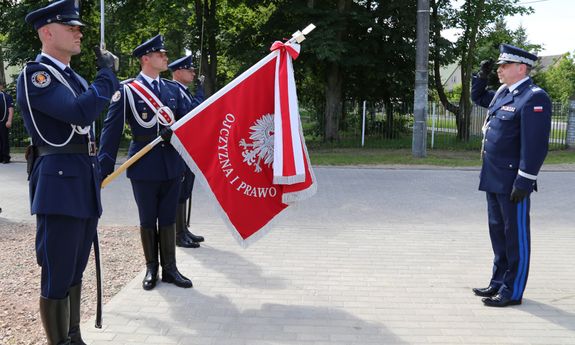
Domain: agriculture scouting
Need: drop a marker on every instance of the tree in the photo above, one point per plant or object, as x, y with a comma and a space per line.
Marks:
559, 79
474, 18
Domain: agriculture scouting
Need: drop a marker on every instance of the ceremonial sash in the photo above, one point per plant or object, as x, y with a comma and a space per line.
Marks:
165, 115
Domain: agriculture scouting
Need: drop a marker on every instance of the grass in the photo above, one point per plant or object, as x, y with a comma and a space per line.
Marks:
446, 158
378, 151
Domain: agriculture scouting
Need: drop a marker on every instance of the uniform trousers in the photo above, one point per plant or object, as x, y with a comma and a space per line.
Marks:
511, 241
63, 245
187, 185
4, 142
157, 201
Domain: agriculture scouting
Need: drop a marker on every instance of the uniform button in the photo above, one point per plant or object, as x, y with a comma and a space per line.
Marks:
163, 145
511, 165
503, 116
93, 166
484, 151
60, 172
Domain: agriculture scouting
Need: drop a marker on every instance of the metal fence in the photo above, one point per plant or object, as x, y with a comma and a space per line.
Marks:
387, 123
392, 122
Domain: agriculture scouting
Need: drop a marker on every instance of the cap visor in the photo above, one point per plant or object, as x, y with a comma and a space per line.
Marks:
503, 62
73, 22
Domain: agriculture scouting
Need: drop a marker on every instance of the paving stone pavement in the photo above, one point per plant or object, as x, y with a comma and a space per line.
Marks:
378, 256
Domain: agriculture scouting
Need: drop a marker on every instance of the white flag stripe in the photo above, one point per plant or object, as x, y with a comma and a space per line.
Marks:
278, 132
295, 124
223, 91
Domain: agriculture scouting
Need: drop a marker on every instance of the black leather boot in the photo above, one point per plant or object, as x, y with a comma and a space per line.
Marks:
75, 295
170, 273
150, 244
55, 315
182, 239
189, 235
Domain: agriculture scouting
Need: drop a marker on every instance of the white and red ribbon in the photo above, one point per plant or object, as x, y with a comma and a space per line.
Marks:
288, 165
165, 115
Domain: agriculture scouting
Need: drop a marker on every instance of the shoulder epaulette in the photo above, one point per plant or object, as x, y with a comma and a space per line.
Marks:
127, 81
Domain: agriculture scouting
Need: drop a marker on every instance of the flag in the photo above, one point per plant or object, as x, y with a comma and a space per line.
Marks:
246, 144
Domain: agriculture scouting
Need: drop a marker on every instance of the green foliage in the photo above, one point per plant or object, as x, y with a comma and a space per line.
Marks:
559, 79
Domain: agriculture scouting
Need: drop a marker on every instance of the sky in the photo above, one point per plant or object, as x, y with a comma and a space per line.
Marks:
551, 25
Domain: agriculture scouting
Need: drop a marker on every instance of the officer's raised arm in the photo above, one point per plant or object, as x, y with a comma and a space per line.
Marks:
479, 93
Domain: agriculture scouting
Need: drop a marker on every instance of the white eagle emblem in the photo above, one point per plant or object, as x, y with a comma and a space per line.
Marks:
262, 146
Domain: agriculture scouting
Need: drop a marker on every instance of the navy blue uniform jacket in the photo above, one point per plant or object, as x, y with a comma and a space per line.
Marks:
63, 184
162, 162
516, 138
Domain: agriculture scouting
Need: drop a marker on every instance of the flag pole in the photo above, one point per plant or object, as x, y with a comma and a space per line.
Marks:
297, 36
131, 161
102, 25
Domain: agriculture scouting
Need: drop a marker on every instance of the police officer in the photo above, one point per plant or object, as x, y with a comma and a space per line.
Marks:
6, 114
59, 108
183, 74
516, 136
150, 104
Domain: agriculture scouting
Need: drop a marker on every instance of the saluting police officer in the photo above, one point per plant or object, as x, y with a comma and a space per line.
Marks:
150, 104
6, 116
183, 74
58, 108
516, 137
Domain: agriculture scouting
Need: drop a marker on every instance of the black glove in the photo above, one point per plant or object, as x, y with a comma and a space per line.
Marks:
517, 195
166, 133
485, 68
105, 59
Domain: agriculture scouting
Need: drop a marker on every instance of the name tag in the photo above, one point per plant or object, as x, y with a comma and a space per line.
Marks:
507, 108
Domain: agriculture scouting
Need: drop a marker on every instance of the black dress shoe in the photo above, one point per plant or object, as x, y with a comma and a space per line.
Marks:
499, 301
171, 275
194, 238
151, 277
489, 291
184, 242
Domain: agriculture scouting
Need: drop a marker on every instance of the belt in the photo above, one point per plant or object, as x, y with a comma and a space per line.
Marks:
89, 149
143, 138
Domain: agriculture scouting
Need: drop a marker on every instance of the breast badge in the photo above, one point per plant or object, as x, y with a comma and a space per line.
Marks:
41, 79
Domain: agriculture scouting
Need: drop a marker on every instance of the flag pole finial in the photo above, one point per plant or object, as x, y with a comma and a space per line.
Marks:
299, 36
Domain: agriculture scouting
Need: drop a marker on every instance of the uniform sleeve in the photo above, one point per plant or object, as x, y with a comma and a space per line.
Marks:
112, 134
479, 93
49, 96
535, 129
9, 101
199, 96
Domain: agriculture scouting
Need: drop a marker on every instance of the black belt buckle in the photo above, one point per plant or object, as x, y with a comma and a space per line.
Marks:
92, 148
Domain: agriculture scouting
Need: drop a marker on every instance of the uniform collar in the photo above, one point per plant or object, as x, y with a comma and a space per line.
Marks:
149, 80
56, 62
181, 85
516, 85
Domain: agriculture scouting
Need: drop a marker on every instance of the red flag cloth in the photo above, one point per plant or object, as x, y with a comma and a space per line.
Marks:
228, 141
